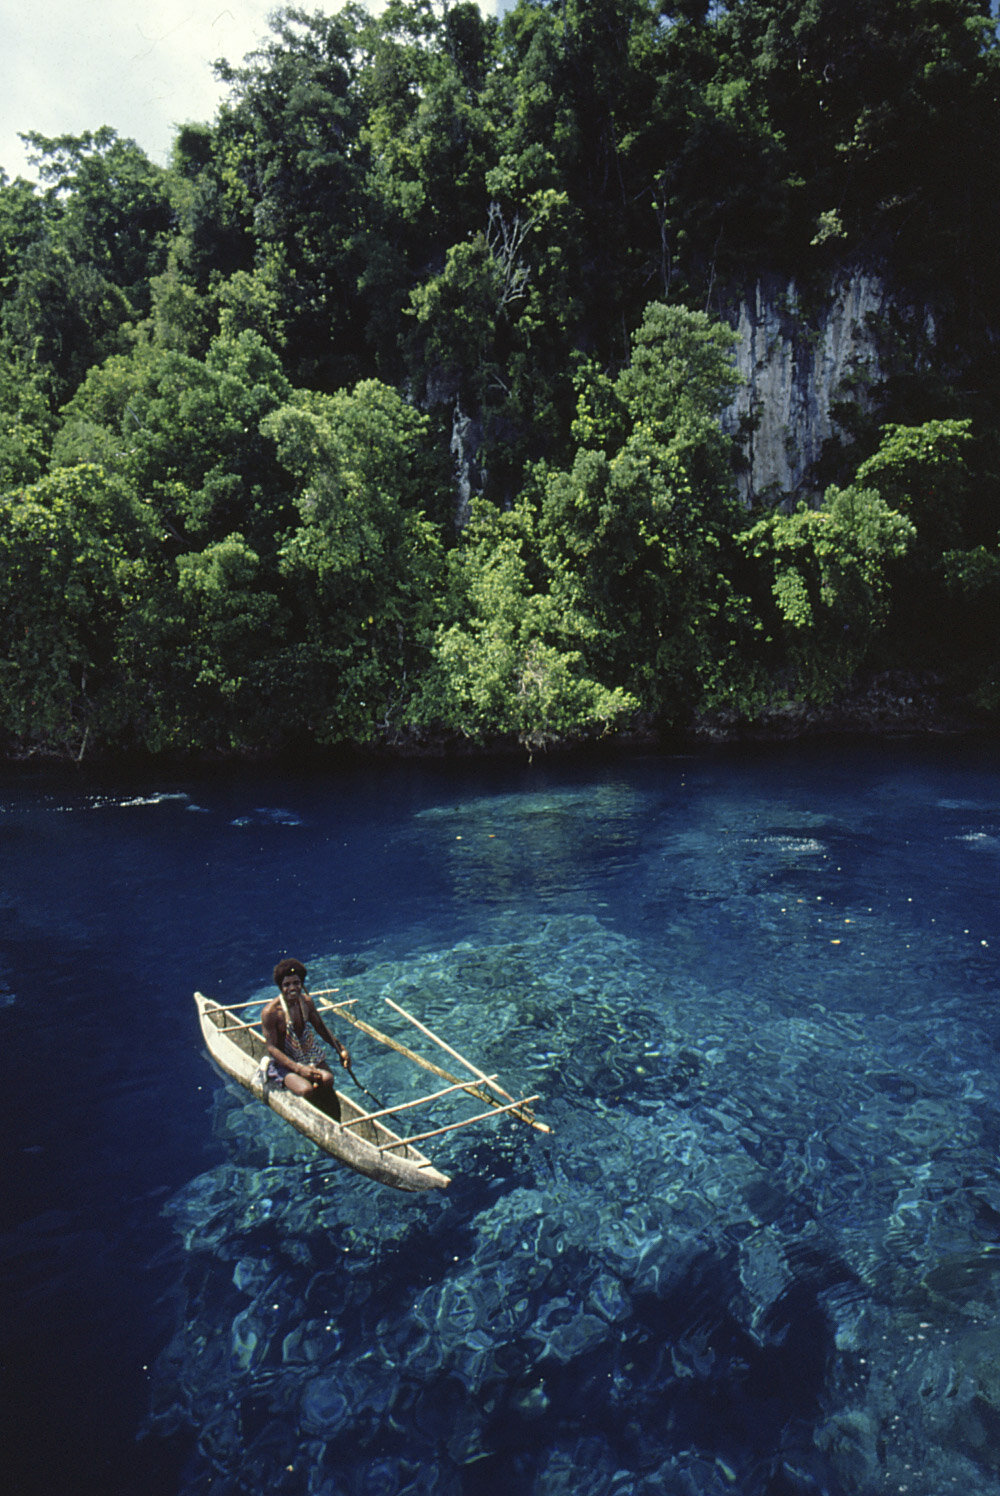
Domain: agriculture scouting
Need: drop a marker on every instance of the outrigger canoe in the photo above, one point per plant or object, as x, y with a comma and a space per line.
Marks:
360, 1139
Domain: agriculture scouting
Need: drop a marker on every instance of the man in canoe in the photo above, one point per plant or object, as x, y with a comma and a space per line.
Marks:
297, 1061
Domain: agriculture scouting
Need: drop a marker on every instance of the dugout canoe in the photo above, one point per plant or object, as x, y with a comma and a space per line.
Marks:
366, 1145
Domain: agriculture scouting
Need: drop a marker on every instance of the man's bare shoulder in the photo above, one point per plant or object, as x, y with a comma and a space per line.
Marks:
309, 1004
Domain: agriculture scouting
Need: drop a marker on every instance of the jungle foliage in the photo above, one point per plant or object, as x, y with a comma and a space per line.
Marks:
390, 411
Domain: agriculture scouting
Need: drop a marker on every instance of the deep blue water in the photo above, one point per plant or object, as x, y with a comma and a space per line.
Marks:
759, 1253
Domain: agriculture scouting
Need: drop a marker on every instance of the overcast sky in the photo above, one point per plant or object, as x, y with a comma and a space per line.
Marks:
140, 66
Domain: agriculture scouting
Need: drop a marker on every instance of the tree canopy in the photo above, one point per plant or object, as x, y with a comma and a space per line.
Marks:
394, 409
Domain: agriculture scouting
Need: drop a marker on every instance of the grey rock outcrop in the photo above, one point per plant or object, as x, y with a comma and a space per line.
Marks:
796, 364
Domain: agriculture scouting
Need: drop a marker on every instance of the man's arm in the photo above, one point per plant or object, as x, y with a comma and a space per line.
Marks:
272, 1038
326, 1035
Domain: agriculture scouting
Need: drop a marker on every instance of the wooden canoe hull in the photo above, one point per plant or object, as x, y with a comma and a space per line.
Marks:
238, 1050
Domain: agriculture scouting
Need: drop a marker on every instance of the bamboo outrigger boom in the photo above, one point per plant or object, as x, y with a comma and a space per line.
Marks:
420, 1137
525, 1115
425, 1064
238, 1023
363, 1140
260, 1002
405, 1106
418, 1059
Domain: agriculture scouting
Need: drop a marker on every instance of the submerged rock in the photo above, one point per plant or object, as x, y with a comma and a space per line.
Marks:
748, 1202
325, 1408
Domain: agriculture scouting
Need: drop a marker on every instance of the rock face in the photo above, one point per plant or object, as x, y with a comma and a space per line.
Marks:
796, 364
465, 435
798, 357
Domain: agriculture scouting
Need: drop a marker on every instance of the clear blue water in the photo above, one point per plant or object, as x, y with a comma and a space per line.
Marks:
759, 1253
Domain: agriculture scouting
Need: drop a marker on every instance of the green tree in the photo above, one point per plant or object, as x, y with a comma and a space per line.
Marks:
362, 569
426, 143
509, 663
923, 471
213, 211
970, 622
287, 141
185, 435
212, 642
635, 535
70, 553
883, 117
63, 317
603, 591
97, 236
22, 222
827, 572
26, 422
109, 202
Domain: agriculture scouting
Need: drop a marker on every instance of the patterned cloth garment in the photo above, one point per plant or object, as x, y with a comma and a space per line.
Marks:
304, 1049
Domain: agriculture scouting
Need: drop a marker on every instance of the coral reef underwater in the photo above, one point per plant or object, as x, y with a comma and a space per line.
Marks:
759, 1252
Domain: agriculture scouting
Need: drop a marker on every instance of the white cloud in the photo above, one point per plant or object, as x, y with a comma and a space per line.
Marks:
141, 66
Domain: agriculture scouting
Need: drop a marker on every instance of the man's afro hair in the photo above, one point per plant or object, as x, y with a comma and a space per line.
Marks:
288, 967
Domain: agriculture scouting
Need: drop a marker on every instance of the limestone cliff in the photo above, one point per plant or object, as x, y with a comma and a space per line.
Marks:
796, 365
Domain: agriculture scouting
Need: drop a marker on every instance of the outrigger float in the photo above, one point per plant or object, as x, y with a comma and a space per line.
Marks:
363, 1140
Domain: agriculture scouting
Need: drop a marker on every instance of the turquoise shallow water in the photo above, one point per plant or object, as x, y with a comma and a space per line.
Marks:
759, 1252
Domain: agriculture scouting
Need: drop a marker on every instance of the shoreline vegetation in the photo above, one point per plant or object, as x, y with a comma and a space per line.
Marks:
879, 707
396, 414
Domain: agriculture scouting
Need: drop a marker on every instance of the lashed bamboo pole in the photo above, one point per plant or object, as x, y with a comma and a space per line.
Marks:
345, 1002
526, 1116
404, 1106
446, 1047
411, 1054
254, 1028
425, 1064
235, 1007
252, 1002
373, 1033
422, 1137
